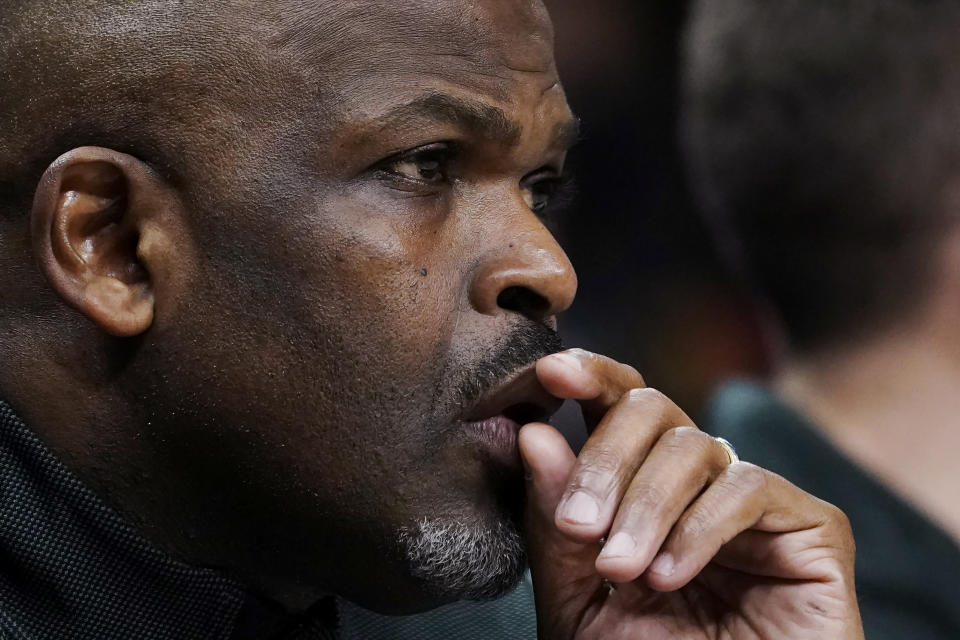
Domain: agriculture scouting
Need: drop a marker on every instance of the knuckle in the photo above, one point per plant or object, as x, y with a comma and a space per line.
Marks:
600, 460
647, 497
839, 531
697, 523
597, 472
747, 477
837, 518
634, 373
649, 401
686, 439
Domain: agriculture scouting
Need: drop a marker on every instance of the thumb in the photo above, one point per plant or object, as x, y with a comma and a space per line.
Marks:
565, 578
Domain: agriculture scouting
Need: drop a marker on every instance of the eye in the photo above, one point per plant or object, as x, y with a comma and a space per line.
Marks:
539, 192
424, 166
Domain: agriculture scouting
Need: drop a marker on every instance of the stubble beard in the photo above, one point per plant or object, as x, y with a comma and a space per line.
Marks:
468, 561
479, 556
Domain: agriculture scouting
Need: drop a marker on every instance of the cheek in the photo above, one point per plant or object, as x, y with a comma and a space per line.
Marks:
345, 370
339, 324
389, 278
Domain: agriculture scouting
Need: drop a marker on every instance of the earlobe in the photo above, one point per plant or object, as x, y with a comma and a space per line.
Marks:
88, 215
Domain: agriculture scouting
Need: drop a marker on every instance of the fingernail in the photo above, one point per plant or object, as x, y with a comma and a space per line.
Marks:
663, 564
620, 545
568, 361
580, 509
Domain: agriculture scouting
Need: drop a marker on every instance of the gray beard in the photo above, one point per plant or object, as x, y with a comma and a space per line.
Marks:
468, 561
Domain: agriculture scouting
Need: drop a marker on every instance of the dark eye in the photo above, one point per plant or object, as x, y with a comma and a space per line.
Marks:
427, 165
539, 193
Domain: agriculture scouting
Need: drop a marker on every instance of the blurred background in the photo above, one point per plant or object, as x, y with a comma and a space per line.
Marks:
653, 292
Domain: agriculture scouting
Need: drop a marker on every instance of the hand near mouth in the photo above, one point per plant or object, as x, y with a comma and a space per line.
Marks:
696, 547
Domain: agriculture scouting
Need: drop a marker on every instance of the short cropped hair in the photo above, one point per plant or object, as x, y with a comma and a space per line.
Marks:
823, 142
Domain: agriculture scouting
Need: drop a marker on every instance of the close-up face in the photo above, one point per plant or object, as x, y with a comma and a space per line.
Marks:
369, 272
280, 347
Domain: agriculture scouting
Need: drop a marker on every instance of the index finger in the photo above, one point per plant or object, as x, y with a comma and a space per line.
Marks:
595, 381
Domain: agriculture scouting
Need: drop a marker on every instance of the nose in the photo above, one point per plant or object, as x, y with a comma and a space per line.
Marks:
526, 273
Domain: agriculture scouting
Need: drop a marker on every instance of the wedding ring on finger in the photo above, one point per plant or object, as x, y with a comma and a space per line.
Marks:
732, 457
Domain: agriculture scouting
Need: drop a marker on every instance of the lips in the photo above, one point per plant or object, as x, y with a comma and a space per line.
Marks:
519, 397
496, 419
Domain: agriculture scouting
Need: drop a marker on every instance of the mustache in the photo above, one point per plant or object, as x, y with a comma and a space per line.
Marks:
523, 346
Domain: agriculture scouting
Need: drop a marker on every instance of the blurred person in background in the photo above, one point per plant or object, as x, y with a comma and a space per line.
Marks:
644, 257
824, 145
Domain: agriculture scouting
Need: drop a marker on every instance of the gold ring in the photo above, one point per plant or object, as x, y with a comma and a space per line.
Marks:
732, 457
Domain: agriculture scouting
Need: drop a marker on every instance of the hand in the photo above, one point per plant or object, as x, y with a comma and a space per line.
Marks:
696, 547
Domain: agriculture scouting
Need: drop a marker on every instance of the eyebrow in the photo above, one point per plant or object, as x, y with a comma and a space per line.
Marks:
484, 120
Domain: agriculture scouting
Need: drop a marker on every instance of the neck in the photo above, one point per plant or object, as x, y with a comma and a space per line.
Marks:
893, 407
133, 463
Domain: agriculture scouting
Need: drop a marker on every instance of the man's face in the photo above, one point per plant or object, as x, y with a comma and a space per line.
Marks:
371, 265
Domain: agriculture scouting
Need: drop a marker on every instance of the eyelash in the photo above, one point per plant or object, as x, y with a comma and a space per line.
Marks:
559, 188
387, 169
562, 197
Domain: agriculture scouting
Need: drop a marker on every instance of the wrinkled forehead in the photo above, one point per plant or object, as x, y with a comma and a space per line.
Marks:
490, 46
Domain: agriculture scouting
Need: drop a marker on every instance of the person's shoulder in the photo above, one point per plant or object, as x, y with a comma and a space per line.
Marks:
744, 408
766, 431
511, 616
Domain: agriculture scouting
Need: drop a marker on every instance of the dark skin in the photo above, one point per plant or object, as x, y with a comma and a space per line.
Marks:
717, 550
268, 317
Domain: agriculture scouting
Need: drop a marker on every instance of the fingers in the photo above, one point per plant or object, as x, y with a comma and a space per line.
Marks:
598, 382
562, 569
664, 493
610, 459
548, 460
742, 516
681, 464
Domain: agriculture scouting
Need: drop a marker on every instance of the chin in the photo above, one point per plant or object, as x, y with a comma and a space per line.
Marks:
454, 558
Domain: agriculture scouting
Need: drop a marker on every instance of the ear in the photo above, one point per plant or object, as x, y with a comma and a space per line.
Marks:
93, 214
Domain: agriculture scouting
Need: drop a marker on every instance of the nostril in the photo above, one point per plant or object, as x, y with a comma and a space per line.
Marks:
524, 301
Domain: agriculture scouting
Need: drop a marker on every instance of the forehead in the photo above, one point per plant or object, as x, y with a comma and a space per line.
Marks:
515, 33
359, 52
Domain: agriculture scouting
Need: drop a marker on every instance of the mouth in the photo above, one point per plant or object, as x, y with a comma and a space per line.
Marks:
495, 420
